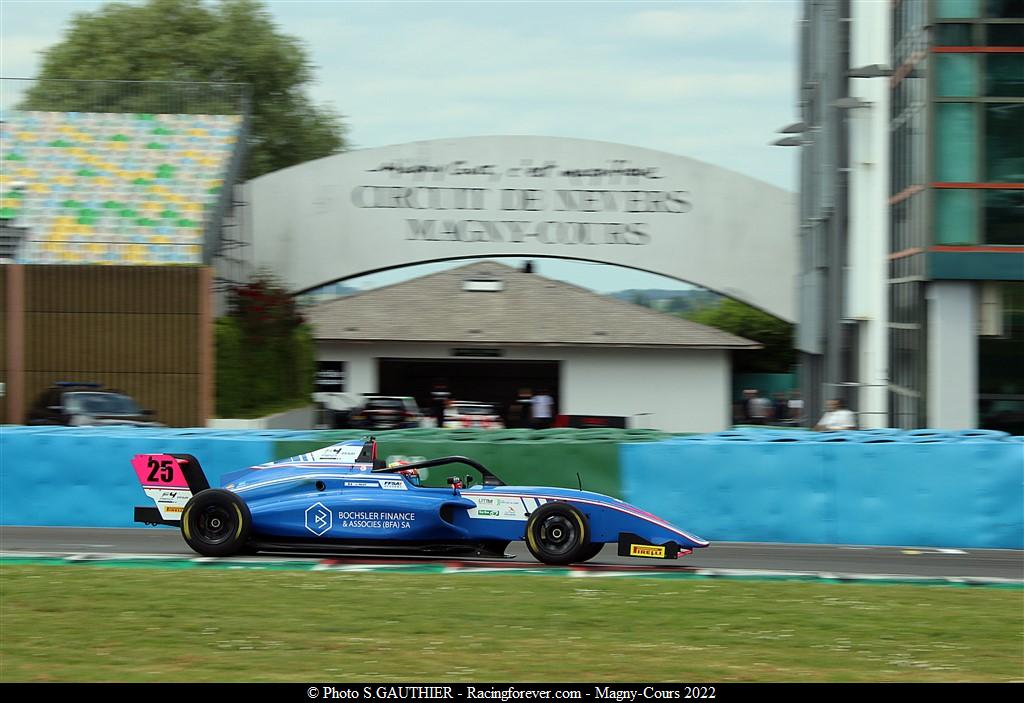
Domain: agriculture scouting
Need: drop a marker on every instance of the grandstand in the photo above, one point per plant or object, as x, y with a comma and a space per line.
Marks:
115, 188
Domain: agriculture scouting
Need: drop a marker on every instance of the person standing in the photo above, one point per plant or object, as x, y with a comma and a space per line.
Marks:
541, 407
519, 410
780, 408
747, 416
760, 409
796, 407
439, 398
837, 417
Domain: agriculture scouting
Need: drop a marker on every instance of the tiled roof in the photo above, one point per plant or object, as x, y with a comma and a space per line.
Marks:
528, 310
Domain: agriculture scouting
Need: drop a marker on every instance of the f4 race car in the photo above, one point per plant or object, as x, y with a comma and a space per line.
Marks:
342, 499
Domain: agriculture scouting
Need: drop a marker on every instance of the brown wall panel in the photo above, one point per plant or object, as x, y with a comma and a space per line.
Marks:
136, 329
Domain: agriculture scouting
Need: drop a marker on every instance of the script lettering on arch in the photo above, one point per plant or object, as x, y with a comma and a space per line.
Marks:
623, 194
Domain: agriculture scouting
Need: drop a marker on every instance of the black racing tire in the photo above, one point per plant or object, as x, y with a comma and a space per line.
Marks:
558, 533
216, 523
593, 549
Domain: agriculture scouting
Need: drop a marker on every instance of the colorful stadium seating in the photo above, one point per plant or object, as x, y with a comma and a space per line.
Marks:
113, 188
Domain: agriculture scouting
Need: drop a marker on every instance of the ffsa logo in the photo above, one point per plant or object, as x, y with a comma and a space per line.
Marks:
318, 519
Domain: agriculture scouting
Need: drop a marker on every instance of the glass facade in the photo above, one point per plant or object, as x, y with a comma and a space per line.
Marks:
1004, 143
957, 180
1004, 217
909, 201
978, 121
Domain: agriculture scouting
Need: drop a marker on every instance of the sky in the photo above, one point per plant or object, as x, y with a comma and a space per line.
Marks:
712, 81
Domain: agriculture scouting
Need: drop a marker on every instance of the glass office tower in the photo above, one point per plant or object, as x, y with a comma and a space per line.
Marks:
957, 213
953, 82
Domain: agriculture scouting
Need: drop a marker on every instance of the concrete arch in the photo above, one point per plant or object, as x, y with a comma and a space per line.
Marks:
378, 209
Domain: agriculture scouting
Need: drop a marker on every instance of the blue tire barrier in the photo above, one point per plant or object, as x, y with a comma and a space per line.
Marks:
82, 477
924, 491
981, 434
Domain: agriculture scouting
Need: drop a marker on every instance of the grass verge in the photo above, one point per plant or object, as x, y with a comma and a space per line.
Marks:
88, 623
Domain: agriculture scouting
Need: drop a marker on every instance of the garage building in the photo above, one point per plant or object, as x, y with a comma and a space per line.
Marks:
487, 330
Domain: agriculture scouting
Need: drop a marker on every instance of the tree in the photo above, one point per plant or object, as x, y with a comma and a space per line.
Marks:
265, 353
234, 41
778, 355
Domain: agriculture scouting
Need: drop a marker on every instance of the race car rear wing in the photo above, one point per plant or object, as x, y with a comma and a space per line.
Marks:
490, 479
170, 480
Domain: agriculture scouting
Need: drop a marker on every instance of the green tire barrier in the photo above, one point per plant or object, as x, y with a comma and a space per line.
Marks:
553, 457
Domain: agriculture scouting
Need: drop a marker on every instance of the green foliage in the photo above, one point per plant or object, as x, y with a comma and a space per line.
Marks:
778, 355
265, 354
233, 41
230, 377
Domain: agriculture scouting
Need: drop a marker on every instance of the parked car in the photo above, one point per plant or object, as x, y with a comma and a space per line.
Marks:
335, 408
81, 404
472, 413
386, 412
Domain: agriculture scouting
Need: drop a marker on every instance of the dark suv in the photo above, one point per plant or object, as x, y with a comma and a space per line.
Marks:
386, 412
80, 404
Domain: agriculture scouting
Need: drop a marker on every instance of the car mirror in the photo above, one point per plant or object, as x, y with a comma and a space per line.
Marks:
469, 480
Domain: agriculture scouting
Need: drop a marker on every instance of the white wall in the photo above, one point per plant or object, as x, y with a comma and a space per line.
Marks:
677, 391
297, 419
952, 354
683, 391
868, 220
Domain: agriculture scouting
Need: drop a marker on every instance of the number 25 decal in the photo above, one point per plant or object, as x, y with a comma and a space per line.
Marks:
161, 471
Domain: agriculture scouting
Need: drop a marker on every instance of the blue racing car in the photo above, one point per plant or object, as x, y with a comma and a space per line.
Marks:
343, 499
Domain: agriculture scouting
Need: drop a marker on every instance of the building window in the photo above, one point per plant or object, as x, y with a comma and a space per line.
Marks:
956, 216
330, 377
1004, 9
955, 9
956, 75
1000, 384
1004, 75
1005, 34
1004, 217
950, 34
955, 143
1004, 143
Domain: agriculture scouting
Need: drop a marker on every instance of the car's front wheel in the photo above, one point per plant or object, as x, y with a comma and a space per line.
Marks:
216, 523
558, 533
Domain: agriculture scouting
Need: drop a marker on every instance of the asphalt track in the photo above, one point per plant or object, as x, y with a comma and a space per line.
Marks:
723, 558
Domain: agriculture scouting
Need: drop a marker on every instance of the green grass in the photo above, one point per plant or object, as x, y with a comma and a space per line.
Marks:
88, 623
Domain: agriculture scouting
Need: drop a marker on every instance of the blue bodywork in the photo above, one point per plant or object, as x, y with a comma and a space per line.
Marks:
333, 497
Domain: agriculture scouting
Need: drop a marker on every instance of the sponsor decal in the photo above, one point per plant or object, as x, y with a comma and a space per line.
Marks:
318, 519
646, 550
498, 508
170, 503
344, 454
376, 521
363, 484
395, 484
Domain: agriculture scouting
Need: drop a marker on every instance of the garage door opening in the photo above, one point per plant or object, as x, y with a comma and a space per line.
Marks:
491, 380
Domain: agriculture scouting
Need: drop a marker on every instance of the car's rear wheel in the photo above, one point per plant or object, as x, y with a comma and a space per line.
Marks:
558, 533
216, 523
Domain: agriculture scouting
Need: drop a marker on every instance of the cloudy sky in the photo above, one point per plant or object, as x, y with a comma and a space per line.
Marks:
708, 80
